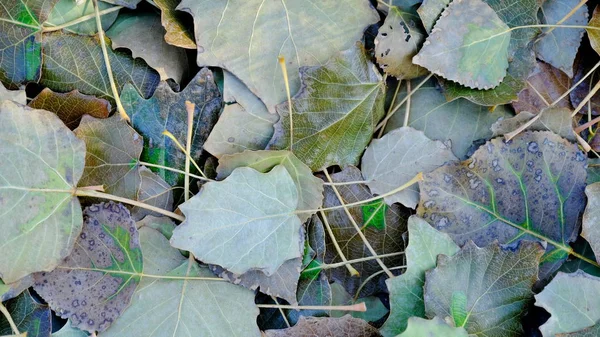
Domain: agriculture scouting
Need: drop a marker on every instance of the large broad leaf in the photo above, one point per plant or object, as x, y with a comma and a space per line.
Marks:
484, 290
545, 85
166, 111
30, 316
570, 301
430, 11
468, 45
406, 290
181, 307
334, 113
560, 46
245, 124
398, 40
66, 11
396, 158
259, 231
419, 327
113, 150
20, 46
142, 33
94, 284
247, 36
514, 13
42, 163
71, 107
73, 62
311, 326
459, 121
529, 188
557, 120
382, 225
310, 188
591, 218
178, 33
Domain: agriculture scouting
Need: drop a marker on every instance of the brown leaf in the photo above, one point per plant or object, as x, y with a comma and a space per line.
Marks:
346, 326
550, 83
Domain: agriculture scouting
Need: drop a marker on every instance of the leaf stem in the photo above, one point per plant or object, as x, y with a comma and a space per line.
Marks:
586, 99
173, 170
8, 317
189, 107
353, 272
356, 182
566, 17
357, 228
289, 98
370, 278
341, 264
163, 277
576, 84
111, 79
182, 149
391, 106
407, 112
79, 20
361, 307
95, 194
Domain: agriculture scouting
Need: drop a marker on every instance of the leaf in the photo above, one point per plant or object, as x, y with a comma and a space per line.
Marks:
17, 96
183, 307
578, 94
406, 290
12, 290
419, 327
559, 47
385, 237
557, 120
587, 332
259, 231
73, 62
396, 158
505, 192
334, 113
42, 163
347, 326
161, 224
430, 11
177, 33
547, 82
243, 125
166, 111
574, 264
590, 230
495, 285
154, 191
567, 298
68, 331
514, 13
376, 310
258, 32
66, 11
594, 34
131, 4
310, 189
398, 40
113, 151
20, 47
31, 317
71, 107
593, 171
143, 35
468, 45
459, 121
94, 284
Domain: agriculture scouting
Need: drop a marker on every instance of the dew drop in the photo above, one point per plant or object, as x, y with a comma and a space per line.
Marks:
533, 147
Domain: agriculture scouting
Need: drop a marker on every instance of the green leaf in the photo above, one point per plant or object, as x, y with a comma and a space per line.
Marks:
569, 301
546, 84
347, 326
594, 34
75, 62
43, 161
485, 289
334, 113
30, 316
243, 125
20, 47
113, 151
514, 13
406, 290
530, 188
560, 46
246, 37
468, 45
459, 121
591, 230
94, 284
396, 158
419, 327
66, 11
177, 33
142, 33
259, 231
398, 40
310, 189
557, 120
166, 111
71, 107
384, 241
183, 307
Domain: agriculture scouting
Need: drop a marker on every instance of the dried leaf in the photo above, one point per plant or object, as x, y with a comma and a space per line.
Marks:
310, 326
178, 34
547, 82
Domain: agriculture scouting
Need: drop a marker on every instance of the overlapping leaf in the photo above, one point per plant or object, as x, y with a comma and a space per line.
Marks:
311, 326
419, 327
42, 163
17, 96
591, 226
31, 317
557, 120
154, 191
178, 33
545, 84
66, 11
95, 283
